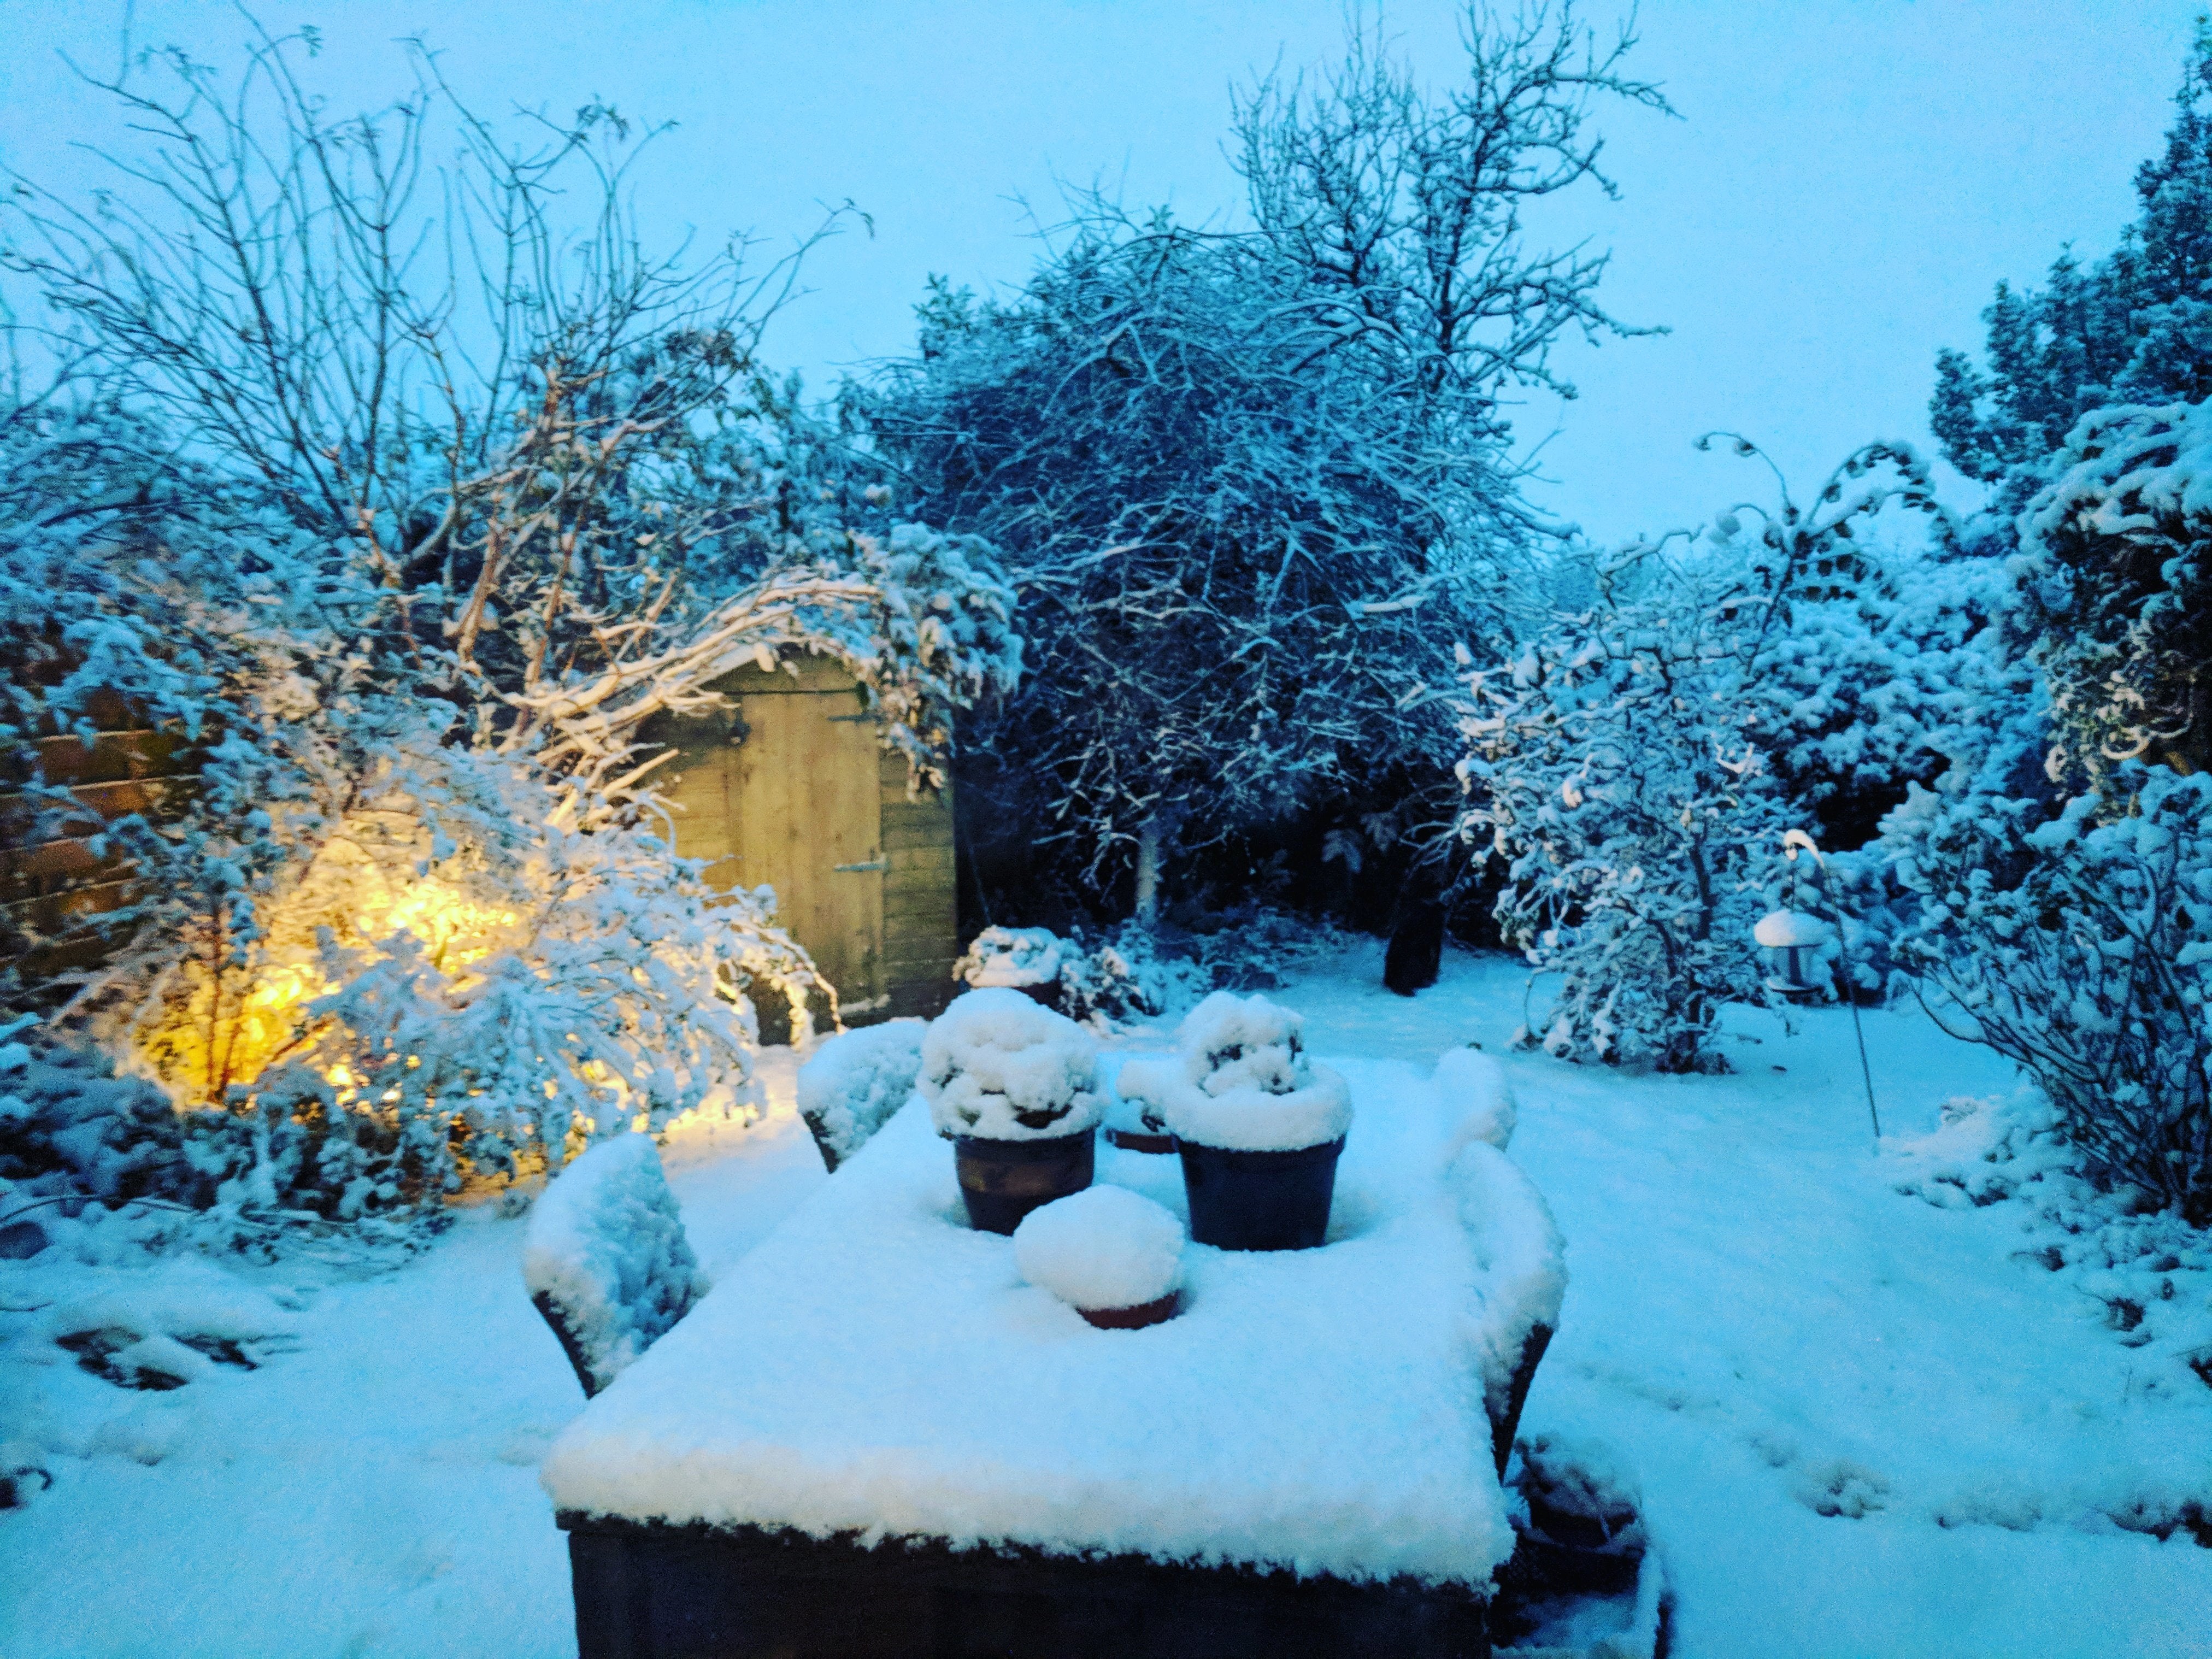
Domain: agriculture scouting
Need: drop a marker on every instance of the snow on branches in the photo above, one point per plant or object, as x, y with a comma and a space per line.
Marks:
2082, 950
1632, 765
2112, 586
402, 567
1616, 768
1251, 484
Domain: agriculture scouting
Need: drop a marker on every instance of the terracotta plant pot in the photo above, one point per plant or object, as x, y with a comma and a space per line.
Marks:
1136, 1318
1259, 1200
1002, 1181
1140, 1141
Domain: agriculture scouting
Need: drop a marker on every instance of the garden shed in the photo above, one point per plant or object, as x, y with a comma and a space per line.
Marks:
791, 787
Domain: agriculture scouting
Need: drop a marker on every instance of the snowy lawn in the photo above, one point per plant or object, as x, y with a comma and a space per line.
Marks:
1864, 1425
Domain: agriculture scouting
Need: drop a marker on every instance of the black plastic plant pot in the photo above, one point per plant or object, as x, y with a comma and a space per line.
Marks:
1259, 1200
1002, 1181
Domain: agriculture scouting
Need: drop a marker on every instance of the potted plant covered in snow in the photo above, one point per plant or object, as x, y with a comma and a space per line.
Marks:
1025, 959
1113, 1256
1137, 1119
1014, 1086
1258, 1126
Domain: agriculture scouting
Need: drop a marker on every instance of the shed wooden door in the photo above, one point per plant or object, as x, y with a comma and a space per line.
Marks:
793, 789
806, 820
790, 800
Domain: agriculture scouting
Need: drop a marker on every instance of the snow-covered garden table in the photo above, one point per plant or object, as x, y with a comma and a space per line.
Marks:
873, 1437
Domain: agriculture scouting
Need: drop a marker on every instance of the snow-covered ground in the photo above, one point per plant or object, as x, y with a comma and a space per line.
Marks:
1863, 1425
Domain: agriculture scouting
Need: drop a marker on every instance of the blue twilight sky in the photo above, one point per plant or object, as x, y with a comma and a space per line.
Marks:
1848, 179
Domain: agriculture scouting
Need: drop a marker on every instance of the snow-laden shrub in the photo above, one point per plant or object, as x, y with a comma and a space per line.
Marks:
1024, 958
2113, 587
1859, 686
1247, 1083
997, 1065
1123, 978
2082, 950
605, 1253
73, 1134
850, 1087
68, 1123
1105, 1246
459, 983
1143, 1086
1616, 768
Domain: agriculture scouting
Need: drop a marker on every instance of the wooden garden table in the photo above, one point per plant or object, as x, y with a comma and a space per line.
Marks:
872, 1438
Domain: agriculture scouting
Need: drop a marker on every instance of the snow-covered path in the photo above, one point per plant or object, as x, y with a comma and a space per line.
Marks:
1812, 1374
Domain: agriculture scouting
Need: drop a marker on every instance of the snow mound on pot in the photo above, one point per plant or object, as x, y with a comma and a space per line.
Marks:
1230, 1042
1247, 1084
1105, 1246
1015, 957
607, 1245
856, 1080
999, 1067
1473, 1082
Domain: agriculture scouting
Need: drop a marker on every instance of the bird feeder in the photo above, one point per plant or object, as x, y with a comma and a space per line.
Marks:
1789, 934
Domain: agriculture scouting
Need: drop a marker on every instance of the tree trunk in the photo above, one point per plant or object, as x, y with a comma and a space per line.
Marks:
1148, 873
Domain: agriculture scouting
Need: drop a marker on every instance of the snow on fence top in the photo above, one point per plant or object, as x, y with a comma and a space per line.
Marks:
854, 1081
999, 1067
606, 1246
876, 1368
1248, 1084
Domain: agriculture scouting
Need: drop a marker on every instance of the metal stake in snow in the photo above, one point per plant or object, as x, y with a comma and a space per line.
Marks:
1791, 842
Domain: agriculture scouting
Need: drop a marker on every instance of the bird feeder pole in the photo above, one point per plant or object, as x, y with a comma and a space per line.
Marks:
1791, 840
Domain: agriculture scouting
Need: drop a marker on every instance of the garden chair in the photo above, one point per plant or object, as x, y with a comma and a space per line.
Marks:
605, 1259
850, 1086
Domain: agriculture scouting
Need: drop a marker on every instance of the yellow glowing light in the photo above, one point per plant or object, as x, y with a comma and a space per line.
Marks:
221, 1037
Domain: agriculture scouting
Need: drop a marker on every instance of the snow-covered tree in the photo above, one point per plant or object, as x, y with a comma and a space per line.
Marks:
2134, 327
1251, 483
409, 559
2111, 600
1633, 767
1616, 768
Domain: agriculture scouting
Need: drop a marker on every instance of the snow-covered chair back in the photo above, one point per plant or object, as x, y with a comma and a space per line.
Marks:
605, 1259
853, 1084
1521, 1280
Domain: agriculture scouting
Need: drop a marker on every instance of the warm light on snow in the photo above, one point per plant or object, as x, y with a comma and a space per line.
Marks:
214, 1042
